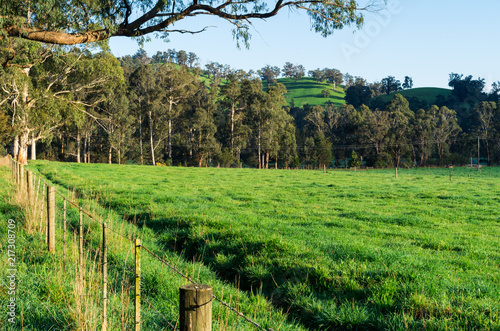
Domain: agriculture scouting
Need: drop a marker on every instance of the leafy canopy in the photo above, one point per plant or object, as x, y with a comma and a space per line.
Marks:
75, 21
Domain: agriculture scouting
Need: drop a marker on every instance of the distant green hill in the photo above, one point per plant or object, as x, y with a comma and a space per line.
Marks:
307, 91
427, 94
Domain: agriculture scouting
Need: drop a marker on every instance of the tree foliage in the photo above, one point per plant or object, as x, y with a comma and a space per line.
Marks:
75, 22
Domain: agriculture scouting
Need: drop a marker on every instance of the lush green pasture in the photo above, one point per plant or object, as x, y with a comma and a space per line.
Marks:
308, 91
50, 296
340, 250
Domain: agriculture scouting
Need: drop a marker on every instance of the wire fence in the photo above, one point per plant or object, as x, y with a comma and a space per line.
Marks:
42, 202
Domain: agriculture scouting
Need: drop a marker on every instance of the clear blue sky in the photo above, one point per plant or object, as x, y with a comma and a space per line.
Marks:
424, 39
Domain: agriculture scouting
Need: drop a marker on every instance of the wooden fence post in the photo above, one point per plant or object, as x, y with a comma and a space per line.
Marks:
137, 284
64, 235
80, 260
104, 279
195, 307
21, 177
13, 169
16, 171
41, 208
51, 219
29, 187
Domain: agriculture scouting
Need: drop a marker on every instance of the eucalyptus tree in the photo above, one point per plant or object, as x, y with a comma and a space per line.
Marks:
192, 59
253, 98
400, 127
275, 121
76, 22
316, 120
142, 94
201, 126
333, 76
390, 84
174, 87
373, 129
116, 120
45, 87
424, 128
357, 95
446, 129
233, 106
288, 142
317, 74
323, 150
269, 74
182, 58
341, 129
484, 115
408, 83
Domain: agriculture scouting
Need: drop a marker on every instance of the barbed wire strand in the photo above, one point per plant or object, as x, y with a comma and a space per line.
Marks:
169, 265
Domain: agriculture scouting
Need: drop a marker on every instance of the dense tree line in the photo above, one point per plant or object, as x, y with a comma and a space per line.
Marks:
167, 110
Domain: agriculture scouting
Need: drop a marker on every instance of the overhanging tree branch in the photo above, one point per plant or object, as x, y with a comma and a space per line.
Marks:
94, 20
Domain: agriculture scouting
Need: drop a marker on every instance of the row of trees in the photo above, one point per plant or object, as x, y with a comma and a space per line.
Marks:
147, 111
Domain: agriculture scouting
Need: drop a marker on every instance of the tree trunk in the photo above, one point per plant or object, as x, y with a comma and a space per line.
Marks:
151, 137
109, 154
170, 129
85, 148
15, 151
78, 138
267, 159
23, 149
169, 138
33, 149
88, 152
258, 142
140, 138
488, 151
232, 129
190, 143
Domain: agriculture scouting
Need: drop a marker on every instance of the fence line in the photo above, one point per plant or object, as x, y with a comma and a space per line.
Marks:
18, 177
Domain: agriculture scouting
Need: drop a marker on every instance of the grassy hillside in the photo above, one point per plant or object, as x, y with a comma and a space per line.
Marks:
307, 91
341, 250
427, 94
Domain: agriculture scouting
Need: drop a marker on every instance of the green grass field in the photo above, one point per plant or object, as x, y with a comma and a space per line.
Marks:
50, 296
341, 250
307, 91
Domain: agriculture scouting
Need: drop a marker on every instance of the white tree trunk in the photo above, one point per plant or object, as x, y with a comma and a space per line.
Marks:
33, 150
140, 138
151, 138
169, 138
78, 138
